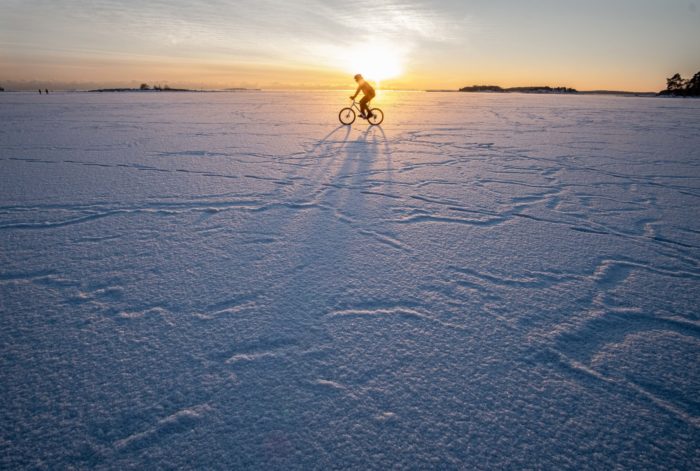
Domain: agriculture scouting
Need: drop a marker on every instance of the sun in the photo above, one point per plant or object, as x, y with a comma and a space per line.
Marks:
376, 62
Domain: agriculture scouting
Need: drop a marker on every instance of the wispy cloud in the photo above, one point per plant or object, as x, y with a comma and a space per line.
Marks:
438, 42
241, 31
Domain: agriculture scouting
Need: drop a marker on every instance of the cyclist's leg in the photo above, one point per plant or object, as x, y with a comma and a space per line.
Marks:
363, 105
368, 113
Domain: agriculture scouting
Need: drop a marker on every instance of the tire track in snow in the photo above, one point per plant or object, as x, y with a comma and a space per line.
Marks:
162, 209
178, 422
389, 311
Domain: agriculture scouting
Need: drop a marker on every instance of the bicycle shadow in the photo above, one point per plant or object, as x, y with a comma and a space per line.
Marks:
328, 150
361, 172
349, 208
340, 191
308, 169
325, 139
389, 165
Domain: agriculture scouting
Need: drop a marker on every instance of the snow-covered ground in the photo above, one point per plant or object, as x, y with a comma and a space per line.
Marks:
234, 281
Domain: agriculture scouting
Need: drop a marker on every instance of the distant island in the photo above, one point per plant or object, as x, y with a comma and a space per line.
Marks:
497, 89
143, 88
165, 88
675, 86
546, 90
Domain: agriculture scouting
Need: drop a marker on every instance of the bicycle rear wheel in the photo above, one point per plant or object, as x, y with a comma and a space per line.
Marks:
377, 117
347, 116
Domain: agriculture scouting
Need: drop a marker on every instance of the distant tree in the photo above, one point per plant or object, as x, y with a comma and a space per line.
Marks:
157, 87
692, 87
678, 86
144, 86
167, 87
675, 83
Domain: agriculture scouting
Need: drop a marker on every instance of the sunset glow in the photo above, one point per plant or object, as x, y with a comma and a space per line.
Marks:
376, 62
321, 44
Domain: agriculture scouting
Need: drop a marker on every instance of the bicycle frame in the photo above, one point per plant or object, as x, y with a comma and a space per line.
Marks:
356, 105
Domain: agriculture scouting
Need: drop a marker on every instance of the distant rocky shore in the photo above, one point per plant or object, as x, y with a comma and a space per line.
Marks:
144, 88
157, 88
676, 86
497, 89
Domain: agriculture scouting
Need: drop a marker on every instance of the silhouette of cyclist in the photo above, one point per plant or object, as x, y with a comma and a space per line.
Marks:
368, 92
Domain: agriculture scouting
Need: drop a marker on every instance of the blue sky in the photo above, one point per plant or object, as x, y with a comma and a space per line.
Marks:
631, 44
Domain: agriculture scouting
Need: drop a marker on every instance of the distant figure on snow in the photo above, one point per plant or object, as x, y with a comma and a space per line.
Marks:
40, 91
368, 92
46, 91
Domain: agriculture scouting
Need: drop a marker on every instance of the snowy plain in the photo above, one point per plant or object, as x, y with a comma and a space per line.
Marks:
235, 281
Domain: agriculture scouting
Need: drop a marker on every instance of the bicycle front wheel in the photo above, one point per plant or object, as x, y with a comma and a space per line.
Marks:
377, 117
347, 116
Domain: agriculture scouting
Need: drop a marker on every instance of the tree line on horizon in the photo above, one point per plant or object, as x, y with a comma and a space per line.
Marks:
678, 86
497, 89
145, 86
675, 86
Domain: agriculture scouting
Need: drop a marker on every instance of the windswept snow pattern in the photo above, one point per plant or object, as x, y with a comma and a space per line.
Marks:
234, 281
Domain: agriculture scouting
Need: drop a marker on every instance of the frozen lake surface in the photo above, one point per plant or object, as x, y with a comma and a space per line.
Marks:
234, 281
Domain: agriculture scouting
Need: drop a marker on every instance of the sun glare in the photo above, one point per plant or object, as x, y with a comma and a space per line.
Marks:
375, 62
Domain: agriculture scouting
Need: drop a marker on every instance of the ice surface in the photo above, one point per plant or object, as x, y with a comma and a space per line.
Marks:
234, 281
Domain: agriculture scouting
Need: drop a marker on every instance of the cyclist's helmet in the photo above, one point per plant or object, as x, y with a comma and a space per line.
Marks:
358, 76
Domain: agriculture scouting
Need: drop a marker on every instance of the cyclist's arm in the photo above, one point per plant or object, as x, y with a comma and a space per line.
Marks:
357, 92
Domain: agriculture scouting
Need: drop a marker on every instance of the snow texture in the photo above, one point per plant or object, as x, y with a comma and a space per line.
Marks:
235, 281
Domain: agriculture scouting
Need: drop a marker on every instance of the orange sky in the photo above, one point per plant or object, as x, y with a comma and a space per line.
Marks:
625, 44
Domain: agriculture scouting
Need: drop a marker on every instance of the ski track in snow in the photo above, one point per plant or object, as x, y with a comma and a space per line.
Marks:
214, 281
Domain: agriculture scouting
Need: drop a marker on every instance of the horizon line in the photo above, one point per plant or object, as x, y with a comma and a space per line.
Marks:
309, 89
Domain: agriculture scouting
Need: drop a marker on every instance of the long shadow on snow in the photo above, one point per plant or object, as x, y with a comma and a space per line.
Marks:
328, 234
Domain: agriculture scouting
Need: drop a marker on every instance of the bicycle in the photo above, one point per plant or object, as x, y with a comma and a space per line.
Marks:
348, 115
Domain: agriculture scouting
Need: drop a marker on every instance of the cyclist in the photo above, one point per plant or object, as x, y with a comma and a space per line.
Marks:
368, 92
